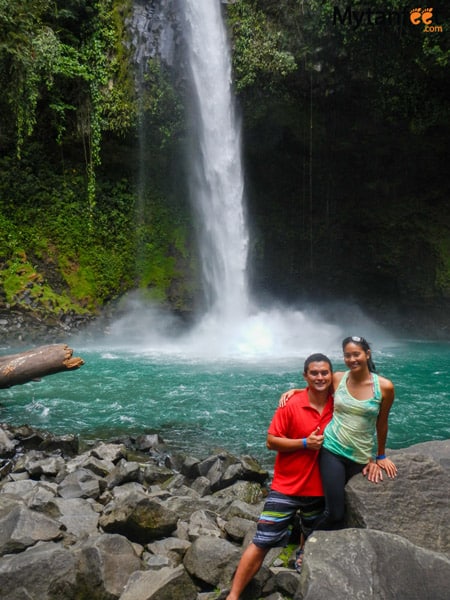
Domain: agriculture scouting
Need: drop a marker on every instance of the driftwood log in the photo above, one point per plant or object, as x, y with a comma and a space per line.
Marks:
31, 365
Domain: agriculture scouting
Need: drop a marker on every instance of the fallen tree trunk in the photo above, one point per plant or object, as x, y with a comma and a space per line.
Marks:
27, 366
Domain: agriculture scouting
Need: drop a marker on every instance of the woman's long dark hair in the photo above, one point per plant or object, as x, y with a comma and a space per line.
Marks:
364, 344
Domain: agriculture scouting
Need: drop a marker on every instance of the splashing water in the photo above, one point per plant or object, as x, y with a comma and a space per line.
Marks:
277, 333
232, 325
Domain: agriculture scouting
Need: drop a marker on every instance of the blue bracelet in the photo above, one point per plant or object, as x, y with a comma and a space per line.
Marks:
305, 445
380, 457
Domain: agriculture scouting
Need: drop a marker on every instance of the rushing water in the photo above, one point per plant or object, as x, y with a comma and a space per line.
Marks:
216, 178
198, 404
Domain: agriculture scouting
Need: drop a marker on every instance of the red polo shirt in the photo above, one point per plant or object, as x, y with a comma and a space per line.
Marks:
297, 473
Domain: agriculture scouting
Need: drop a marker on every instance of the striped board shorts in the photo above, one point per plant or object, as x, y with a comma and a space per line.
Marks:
275, 522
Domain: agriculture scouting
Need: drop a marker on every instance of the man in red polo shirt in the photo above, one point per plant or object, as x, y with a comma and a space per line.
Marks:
296, 433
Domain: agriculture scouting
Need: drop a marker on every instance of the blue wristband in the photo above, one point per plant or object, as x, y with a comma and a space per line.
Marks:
305, 444
380, 457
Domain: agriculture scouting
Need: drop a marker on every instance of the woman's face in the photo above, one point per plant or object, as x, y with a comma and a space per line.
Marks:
355, 357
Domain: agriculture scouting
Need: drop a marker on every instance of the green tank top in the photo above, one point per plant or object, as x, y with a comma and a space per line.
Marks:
351, 431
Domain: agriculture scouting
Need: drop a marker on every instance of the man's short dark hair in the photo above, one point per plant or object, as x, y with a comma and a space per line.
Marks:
318, 357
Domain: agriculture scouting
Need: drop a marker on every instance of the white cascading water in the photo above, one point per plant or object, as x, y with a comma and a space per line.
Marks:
216, 183
231, 326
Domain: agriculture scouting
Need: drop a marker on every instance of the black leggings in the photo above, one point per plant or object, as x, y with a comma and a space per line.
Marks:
335, 471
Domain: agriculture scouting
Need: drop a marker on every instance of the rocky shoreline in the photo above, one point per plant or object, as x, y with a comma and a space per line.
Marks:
129, 520
19, 327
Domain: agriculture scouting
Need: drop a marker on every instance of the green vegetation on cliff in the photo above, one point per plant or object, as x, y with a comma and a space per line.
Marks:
345, 128
74, 210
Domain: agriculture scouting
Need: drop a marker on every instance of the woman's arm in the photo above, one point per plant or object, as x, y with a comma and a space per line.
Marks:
284, 398
388, 393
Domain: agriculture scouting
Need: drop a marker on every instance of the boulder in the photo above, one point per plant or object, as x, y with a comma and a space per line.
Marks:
128, 492
38, 497
148, 441
86, 461
284, 580
30, 438
38, 463
82, 483
368, 564
76, 514
439, 451
172, 548
202, 486
212, 560
21, 527
78, 526
203, 522
104, 564
6, 466
109, 452
165, 584
68, 444
237, 528
251, 470
238, 508
29, 490
46, 571
190, 467
154, 562
123, 472
6, 444
224, 469
414, 505
263, 583
141, 521
155, 474
246, 491
185, 505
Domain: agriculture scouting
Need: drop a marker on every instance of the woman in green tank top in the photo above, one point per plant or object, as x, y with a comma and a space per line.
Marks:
355, 439
362, 401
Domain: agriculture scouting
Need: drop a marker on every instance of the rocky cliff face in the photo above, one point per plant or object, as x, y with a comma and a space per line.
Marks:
126, 520
154, 30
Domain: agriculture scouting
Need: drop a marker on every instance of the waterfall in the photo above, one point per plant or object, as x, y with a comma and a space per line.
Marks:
230, 326
216, 182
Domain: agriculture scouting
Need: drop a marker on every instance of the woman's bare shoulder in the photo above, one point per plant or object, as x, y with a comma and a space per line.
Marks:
385, 384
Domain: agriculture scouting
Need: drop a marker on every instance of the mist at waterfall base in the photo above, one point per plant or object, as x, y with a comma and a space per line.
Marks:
200, 399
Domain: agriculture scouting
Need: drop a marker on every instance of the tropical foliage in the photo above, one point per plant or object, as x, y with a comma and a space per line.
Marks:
345, 122
68, 194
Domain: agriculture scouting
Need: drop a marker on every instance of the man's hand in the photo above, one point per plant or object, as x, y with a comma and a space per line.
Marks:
314, 440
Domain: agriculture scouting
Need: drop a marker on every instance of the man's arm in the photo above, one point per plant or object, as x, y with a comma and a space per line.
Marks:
280, 444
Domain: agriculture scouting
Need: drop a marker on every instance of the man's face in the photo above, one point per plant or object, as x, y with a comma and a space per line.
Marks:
318, 376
